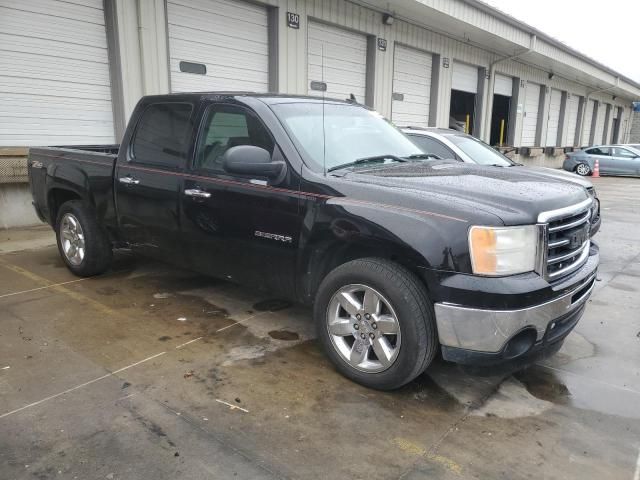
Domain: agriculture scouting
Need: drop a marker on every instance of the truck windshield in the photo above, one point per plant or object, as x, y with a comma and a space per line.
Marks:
480, 152
351, 133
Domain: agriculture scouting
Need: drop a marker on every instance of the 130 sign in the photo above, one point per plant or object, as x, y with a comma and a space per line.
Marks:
293, 20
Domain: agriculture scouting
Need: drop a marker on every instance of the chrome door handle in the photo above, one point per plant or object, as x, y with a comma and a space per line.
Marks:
129, 180
194, 192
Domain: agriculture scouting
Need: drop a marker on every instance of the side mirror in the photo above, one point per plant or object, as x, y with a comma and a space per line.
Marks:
251, 160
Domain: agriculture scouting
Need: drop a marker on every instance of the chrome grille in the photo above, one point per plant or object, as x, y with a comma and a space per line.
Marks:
567, 239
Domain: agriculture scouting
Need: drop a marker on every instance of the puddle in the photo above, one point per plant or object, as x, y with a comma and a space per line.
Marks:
512, 400
543, 384
271, 305
284, 335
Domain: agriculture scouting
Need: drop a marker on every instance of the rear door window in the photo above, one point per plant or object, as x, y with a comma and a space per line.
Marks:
599, 151
163, 135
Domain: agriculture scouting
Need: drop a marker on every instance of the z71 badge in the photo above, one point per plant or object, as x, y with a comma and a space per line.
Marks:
273, 236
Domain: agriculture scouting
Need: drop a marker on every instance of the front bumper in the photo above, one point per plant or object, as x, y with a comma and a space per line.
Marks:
482, 335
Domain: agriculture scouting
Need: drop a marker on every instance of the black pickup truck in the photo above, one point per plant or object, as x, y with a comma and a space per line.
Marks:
324, 202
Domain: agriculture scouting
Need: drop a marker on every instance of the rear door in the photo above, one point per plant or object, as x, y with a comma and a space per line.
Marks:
148, 178
603, 155
235, 226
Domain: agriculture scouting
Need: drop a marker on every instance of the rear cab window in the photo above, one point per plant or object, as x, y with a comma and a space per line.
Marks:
163, 135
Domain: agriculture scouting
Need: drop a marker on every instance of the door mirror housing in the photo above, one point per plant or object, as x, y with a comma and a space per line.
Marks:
251, 160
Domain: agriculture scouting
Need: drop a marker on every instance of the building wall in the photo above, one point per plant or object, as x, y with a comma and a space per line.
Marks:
634, 133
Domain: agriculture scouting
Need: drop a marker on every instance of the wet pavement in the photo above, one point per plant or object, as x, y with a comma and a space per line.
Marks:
149, 372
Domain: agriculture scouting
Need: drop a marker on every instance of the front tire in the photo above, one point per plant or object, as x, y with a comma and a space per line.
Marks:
376, 323
583, 169
82, 242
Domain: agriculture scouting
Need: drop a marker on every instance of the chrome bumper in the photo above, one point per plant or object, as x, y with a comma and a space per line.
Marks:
489, 330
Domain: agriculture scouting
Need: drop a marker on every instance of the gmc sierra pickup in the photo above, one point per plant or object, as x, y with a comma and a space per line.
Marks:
325, 202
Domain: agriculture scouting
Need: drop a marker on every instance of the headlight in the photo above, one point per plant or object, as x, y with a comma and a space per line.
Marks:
497, 251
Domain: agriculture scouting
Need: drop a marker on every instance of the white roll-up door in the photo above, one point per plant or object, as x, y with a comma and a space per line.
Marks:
465, 78
599, 131
588, 120
503, 85
54, 74
229, 37
338, 58
530, 120
411, 87
571, 116
555, 101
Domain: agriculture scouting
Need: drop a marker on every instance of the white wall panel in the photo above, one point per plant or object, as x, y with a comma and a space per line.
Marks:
54, 74
412, 80
230, 37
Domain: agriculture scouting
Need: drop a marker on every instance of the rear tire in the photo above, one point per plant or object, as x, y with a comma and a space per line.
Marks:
82, 242
400, 325
583, 169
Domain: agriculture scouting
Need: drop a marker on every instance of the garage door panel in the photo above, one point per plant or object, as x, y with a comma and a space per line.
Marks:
224, 26
229, 37
599, 131
588, 120
339, 58
54, 73
46, 27
465, 78
29, 66
229, 59
503, 85
231, 10
553, 122
411, 79
530, 120
572, 118
80, 11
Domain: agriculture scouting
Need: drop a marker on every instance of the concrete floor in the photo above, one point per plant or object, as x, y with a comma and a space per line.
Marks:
149, 372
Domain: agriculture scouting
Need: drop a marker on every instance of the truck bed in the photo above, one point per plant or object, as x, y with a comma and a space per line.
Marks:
86, 170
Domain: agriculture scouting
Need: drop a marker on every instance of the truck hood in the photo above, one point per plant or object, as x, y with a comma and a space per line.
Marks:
559, 174
514, 195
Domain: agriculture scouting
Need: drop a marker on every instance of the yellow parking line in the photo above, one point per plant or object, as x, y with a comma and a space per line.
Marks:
60, 288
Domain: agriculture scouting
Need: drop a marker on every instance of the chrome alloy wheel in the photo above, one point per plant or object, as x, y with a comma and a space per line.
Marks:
72, 239
583, 169
363, 328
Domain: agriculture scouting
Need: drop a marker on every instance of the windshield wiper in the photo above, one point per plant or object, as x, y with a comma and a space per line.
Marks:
362, 161
418, 156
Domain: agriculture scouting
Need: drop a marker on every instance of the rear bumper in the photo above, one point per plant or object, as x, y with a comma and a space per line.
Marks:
483, 336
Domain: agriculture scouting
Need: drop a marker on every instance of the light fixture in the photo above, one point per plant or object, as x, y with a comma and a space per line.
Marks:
551, 75
387, 19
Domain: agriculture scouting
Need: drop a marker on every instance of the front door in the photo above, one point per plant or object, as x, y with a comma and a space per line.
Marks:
148, 181
238, 227
625, 161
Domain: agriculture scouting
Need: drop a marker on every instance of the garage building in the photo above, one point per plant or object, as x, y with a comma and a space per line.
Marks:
72, 71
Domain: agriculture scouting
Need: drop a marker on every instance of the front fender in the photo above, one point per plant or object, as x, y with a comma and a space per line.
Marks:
342, 229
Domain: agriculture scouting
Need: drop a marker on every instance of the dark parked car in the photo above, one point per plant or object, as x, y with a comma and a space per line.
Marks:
613, 160
326, 203
447, 143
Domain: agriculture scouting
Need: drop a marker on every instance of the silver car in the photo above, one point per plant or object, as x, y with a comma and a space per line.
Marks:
613, 160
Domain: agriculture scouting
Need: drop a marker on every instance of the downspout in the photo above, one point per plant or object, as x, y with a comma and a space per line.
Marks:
586, 103
492, 80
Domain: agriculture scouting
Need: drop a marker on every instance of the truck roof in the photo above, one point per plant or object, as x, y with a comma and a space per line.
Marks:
269, 98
